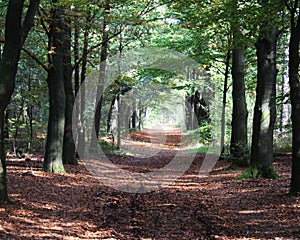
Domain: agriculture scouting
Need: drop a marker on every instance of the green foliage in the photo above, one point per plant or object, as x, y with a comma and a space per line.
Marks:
205, 133
202, 134
257, 172
132, 130
282, 146
198, 150
109, 148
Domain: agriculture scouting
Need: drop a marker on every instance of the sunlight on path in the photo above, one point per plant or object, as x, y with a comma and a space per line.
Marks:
152, 140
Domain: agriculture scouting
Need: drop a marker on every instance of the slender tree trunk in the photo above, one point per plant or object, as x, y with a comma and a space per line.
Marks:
265, 108
140, 125
3, 181
225, 89
119, 116
192, 122
104, 48
15, 35
197, 108
76, 56
68, 145
133, 119
294, 60
108, 123
30, 116
81, 129
238, 144
56, 123
76, 77
6, 125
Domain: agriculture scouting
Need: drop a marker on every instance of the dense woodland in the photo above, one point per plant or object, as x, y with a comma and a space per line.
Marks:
247, 53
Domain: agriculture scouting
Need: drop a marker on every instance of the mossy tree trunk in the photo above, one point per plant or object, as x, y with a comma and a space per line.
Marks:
265, 108
56, 122
16, 31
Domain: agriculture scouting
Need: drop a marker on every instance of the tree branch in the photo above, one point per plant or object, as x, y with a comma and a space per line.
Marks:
42, 20
35, 58
29, 18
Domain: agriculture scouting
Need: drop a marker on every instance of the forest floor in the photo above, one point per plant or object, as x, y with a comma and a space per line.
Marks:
75, 205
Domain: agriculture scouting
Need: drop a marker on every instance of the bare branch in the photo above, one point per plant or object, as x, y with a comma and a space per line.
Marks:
35, 58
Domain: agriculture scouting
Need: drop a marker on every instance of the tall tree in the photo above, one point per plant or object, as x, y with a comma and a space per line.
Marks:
265, 106
225, 90
16, 31
103, 57
294, 60
55, 80
261, 156
68, 144
238, 143
80, 78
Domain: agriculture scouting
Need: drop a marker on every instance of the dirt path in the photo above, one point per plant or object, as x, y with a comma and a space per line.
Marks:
76, 205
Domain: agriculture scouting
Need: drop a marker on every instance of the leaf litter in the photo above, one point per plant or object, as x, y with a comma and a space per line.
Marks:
75, 205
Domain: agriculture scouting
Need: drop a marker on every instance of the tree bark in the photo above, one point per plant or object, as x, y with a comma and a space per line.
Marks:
15, 36
68, 145
3, 182
81, 109
76, 77
265, 107
238, 143
104, 48
294, 60
225, 89
108, 122
56, 123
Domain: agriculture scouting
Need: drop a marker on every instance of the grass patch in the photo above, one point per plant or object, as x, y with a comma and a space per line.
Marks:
198, 149
110, 149
257, 172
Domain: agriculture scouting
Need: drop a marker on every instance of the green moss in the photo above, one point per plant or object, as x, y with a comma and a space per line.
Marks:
58, 169
265, 171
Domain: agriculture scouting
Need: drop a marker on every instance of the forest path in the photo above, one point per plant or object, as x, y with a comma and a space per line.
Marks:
76, 205
161, 134
152, 148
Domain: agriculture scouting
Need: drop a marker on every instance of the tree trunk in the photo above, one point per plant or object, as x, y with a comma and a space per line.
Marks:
265, 108
6, 124
133, 119
30, 118
119, 121
3, 182
294, 60
76, 77
56, 123
238, 144
68, 145
15, 35
225, 89
81, 111
108, 122
98, 109
140, 117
